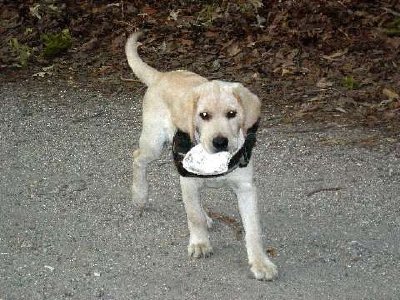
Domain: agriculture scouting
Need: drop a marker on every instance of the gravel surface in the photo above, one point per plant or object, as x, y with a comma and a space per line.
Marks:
329, 203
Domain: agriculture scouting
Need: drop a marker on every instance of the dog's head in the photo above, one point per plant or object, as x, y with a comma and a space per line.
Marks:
219, 115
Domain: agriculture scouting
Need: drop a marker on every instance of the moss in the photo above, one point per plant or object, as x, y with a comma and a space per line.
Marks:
393, 28
56, 43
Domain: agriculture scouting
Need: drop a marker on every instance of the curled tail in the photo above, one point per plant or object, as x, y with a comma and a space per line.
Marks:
143, 71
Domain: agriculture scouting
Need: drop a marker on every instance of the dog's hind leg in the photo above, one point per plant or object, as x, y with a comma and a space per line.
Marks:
153, 137
141, 158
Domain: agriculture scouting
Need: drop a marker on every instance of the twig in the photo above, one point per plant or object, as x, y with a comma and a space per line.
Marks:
344, 33
391, 11
324, 190
124, 23
128, 79
231, 222
122, 9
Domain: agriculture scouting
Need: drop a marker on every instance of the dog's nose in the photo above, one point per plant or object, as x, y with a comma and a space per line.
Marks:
220, 143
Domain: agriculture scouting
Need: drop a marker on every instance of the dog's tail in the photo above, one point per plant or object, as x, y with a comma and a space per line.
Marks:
142, 70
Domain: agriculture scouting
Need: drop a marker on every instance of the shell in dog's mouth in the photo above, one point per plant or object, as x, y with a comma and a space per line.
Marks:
201, 162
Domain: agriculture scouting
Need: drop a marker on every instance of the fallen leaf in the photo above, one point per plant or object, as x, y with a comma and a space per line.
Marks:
148, 10
104, 70
391, 114
34, 11
336, 55
393, 42
287, 71
309, 107
211, 34
323, 83
118, 43
369, 141
316, 98
90, 45
41, 74
173, 15
233, 49
48, 68
390, 94
341, 109
260, 21
186, 42
272, 252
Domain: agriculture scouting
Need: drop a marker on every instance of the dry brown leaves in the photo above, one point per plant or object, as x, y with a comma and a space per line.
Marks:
295, 54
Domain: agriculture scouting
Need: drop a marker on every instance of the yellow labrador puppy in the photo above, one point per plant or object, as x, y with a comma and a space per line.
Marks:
185, 109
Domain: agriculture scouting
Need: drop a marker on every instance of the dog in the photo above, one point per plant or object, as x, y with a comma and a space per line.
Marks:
215, 114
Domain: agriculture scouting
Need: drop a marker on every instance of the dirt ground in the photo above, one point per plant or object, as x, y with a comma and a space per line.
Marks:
69, 230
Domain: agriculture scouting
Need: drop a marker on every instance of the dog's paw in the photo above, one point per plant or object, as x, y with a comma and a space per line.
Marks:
139, 196
263, 269
200, 250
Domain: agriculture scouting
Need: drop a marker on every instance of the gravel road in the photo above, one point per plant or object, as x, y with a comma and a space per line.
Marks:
329, 203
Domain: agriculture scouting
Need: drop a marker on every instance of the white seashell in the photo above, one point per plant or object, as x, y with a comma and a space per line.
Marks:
200, 162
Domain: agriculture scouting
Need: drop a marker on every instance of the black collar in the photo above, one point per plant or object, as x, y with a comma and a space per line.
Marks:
181, 144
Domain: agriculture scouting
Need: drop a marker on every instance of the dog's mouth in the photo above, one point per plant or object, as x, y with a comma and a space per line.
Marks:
222, 144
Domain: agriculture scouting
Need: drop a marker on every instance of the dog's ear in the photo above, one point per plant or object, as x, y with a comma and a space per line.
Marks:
250, 103
183, 116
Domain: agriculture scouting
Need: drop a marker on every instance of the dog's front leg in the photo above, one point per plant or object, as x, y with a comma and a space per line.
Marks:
261, 266
199, 243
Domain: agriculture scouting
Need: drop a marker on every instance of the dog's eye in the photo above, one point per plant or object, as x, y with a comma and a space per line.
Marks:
231, 114
205, 116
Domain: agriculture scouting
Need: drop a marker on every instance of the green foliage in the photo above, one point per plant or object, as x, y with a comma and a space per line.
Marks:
393, 28
21, 51
56, 43
350, 83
